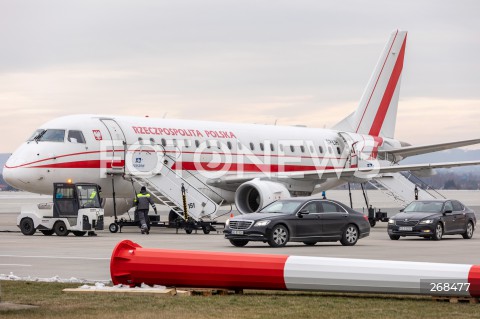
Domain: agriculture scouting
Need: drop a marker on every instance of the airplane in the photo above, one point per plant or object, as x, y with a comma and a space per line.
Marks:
250, 165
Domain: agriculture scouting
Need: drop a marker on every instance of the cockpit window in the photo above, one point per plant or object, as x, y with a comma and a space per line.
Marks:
52, 135
35, 134
76, 137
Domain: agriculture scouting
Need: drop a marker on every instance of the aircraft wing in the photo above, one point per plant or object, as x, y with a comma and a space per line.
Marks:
405, 152
371, 172
365, 172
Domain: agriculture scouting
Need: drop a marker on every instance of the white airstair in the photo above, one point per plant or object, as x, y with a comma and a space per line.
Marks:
172, 189
402, 190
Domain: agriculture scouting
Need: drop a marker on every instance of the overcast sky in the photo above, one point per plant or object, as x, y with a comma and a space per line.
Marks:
294, 62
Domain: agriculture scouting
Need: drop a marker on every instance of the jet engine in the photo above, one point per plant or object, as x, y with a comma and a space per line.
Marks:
256, 194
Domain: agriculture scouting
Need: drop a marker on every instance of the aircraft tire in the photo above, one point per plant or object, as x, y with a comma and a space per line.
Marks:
113, 227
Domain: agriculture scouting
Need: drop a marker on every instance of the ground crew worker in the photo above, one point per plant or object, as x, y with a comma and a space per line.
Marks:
142, 201
91, 199
92, 202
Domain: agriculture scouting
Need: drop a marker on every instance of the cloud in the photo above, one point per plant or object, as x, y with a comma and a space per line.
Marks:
300, 62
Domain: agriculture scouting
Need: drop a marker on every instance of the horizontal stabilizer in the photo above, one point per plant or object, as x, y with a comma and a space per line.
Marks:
405, 152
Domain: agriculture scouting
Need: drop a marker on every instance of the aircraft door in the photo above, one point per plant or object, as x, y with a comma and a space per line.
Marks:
350, 145
116, 150
354, 155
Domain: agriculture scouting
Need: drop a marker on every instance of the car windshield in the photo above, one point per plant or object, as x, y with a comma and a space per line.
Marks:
282, 207
430, 207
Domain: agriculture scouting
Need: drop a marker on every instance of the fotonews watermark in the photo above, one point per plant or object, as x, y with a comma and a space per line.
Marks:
214, 159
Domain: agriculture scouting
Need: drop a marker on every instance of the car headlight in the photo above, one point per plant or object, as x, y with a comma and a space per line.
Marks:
227, 222
262, 223
426, 221
391, 221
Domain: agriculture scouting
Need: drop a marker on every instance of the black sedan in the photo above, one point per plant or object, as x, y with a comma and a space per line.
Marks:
433, 219
306, 220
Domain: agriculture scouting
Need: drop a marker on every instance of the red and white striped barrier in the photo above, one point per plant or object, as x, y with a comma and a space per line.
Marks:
132, 265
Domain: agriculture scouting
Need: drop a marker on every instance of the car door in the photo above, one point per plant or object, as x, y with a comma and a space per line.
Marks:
448, 218
459, 216
333, 218
307, 224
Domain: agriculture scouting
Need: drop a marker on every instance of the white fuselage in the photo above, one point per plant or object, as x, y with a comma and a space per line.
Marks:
116, 145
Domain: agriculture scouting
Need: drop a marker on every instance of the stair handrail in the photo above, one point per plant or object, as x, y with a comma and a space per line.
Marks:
421, 184
203, 184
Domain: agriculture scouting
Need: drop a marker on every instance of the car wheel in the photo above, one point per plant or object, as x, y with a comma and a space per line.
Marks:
238, 242
394, 237
438, 233
27, 227
310, 243
60, 228
278, 237
468, 234
350, 236
47, 232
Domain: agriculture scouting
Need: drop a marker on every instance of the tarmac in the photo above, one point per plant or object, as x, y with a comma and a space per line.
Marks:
88, 258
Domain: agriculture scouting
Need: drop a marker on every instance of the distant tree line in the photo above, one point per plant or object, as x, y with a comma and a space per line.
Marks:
449, 180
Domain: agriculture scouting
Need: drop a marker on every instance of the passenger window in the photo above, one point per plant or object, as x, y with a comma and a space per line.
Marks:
187, 143
76, 137
219, 146
457, 206
140, 141
175, 142
292, 148
311, 149
152, 141
330, 150
239, 145
320, 149
197, 143
448, 206
164, 142
272, 148
229, 145
53, 136
311, 208
281, 147
208, 144
302, 148
338, 151
329, 207
261, 146
252, 147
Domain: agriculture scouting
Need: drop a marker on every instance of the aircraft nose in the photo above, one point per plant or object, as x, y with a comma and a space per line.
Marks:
13, 175
8, 176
